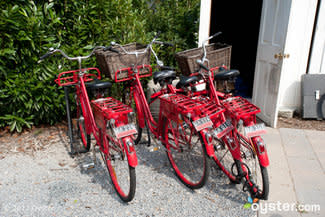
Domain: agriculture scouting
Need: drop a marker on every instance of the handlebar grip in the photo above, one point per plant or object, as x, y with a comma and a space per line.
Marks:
158, 34
216, 34
203, 66
114, 50
111, 49
168, 44
164, 43
45, 55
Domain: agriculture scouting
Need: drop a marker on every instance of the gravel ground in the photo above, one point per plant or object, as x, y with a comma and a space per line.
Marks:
39, 178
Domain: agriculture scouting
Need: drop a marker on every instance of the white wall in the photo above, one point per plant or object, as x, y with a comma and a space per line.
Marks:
298, 42
317, 59
204, 28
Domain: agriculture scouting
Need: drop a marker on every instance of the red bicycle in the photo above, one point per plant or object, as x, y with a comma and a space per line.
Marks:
183, 126
107, 119
240, 152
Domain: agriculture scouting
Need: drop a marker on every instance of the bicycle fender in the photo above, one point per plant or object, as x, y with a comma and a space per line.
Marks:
130, 151
261, 152
208, 145
264, 159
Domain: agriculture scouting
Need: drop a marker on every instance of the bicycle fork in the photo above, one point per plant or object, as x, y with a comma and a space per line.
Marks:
244, 174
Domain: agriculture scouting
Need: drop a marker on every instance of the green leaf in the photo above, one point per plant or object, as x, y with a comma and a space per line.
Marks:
13, 126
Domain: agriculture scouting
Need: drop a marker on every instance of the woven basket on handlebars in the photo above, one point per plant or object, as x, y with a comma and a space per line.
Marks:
218, 54
109, 62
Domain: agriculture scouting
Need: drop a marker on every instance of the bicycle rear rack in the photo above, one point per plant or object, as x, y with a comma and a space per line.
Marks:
173, 104
240, 107
215, 113
179, 103
110, 107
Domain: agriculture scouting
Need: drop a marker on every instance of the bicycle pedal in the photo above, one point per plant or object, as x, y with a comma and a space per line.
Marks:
89, 166
115, 156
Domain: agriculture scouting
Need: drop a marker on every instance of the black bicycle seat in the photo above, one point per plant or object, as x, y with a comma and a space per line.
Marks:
226, 74
97, 84
163, 75
184, 81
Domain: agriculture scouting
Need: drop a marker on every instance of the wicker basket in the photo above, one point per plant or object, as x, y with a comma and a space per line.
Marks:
109, 62
218, 54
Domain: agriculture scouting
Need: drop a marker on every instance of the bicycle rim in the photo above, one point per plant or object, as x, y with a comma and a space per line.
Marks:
121, 173
186, 153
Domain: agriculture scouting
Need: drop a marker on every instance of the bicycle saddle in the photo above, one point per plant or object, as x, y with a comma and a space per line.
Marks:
226, 74
184, 81
98, 84
163, 75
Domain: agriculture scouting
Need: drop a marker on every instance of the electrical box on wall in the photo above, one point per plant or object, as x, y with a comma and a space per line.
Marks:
313, 96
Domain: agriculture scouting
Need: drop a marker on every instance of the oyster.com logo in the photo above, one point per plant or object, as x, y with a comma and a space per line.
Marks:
251, 202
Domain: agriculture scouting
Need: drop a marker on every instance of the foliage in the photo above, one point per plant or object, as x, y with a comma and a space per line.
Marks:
28, 95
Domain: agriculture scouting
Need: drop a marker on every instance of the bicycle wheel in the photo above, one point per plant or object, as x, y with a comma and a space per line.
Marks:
257, 174
186, 153
223, 158
128, 101
81, 129
121, 173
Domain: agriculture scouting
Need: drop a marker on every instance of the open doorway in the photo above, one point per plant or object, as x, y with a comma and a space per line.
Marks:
239, 22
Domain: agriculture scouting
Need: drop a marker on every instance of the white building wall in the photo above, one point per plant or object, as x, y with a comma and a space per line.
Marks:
205, 16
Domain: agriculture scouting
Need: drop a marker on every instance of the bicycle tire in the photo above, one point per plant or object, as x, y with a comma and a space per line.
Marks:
182, 167
257, 173
122, 175
81, 130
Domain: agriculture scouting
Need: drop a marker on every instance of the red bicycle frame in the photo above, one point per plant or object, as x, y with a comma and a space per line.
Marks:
145, 116
102, 114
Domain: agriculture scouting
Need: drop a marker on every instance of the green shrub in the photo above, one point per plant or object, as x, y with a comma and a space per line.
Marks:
28, 94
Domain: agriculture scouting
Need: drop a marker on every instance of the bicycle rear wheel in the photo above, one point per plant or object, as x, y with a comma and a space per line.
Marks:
127, 99
186, 153
122, 174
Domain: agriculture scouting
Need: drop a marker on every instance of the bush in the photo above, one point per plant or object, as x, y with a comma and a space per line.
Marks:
28, 95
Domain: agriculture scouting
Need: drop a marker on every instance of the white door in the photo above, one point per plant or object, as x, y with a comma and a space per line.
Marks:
271, 45
317, 60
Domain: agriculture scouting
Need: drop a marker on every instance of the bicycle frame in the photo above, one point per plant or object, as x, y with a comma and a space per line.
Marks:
145, 117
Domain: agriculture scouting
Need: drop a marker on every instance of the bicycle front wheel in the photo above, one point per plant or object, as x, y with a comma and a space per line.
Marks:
186, 153
122, 174
257, 174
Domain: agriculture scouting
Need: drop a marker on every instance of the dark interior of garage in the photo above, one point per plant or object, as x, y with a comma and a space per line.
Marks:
239, 22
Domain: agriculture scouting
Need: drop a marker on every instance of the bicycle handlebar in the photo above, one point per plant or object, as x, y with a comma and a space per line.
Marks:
203, 46
111, 49
149, 46
164, 43
79, 58
202, 66
211, 37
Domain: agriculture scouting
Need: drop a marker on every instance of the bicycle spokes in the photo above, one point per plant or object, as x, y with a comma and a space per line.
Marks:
186, 154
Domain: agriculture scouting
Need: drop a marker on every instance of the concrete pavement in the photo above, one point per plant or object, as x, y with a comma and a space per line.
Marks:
296, 173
